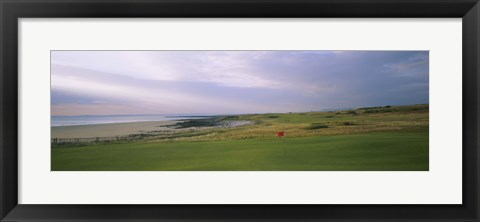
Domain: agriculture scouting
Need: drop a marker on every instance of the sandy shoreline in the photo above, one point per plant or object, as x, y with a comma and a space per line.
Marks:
108, 130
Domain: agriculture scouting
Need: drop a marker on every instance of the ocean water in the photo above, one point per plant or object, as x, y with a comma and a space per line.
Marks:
103, 119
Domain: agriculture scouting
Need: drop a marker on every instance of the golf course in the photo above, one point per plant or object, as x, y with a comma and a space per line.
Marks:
386, 138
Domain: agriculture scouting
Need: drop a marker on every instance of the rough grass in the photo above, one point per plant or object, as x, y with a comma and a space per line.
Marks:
404, 119
316, 126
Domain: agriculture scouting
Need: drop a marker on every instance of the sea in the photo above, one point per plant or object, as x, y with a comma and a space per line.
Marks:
104, 119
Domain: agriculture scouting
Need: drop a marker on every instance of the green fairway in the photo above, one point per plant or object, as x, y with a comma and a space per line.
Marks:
373, 151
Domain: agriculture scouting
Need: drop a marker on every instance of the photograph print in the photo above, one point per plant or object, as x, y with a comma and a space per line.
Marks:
282, 110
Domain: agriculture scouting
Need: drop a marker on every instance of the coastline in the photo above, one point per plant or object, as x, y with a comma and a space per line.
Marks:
110, 129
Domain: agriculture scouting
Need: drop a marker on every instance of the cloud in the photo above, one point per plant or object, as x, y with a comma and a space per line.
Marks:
136, 82
414, 66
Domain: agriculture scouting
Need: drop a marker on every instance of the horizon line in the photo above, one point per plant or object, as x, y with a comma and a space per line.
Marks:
224, 114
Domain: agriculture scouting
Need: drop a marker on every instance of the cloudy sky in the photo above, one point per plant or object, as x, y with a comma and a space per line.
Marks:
227, 82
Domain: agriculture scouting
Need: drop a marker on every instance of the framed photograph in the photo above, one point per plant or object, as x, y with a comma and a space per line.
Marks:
225, 110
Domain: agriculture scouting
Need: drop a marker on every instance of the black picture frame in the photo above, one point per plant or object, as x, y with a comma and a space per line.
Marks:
12, 10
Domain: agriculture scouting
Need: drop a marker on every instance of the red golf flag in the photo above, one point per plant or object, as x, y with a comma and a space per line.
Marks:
281, 134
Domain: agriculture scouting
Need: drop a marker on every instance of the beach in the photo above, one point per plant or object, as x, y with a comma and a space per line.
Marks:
110, 130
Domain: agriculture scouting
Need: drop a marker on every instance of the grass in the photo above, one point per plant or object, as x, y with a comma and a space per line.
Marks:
316, 126
377, 138
380, 151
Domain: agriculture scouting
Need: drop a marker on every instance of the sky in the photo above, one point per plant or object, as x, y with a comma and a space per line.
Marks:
234, 82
